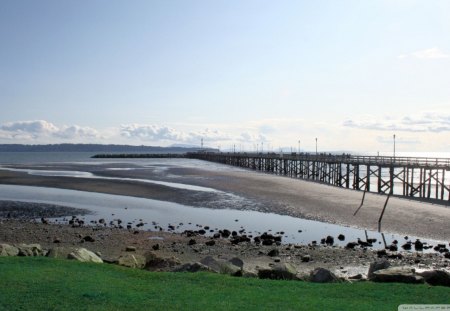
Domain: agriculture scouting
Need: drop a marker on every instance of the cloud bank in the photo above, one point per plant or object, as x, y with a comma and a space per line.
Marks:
433, 53
426, 122
41, 129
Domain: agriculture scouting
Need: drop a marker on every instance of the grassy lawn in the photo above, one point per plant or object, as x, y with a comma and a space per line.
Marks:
49, 284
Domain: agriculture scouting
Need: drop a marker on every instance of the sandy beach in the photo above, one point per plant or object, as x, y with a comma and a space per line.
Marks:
260, 192
266, 193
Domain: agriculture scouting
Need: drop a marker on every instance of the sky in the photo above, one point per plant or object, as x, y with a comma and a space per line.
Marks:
247, 73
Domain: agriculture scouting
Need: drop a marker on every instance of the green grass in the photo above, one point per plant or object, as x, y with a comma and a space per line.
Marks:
50, 284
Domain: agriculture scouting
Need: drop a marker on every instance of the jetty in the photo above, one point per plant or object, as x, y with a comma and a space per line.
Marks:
416, 177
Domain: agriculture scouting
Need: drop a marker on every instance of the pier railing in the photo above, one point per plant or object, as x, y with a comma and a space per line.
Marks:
420, 177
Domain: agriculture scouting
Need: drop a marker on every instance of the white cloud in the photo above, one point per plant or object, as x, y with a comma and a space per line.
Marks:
432, 53
425, 122
151, 132
41, 129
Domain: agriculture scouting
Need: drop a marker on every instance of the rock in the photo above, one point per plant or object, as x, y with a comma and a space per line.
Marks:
191, 267
59, 252
329, 240
359, 276
396, 274
377, 265
407, 246
393, 247
221, 266
130, 249
281, 271
84, 255
192, 242
306, 258
132, 261
155, 247
382, 253
88, 238
225, 233
155, 262
351, 245
237, 262
274, 252
30, 250
8, 250
341, 237
322, 275
436, 277
210, 243
418, 245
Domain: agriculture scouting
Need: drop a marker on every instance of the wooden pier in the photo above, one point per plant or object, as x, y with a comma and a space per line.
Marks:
425, 178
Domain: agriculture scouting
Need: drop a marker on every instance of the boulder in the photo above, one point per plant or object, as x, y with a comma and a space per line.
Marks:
281, 271
132, 261
84, 255
59, 252
221, 266
191, 267
322, 275
377, 265
436, 277
237, 262
30, 250
8, 250
155, 262
397, 274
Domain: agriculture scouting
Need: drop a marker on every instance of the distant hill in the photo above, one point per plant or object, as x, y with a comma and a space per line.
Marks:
96, 148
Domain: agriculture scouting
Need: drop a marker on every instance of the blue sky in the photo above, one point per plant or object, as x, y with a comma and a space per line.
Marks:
351, 73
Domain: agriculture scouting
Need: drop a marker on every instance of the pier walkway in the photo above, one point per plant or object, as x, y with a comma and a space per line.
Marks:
426, 178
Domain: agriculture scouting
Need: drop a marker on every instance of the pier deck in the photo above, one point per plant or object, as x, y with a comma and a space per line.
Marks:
426, 178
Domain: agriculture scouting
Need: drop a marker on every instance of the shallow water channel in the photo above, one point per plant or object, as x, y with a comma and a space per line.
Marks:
159, 213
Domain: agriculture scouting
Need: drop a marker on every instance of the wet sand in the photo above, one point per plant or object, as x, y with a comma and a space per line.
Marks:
267, 193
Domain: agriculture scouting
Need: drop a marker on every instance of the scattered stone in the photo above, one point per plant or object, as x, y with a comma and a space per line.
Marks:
84, 255
382, 253
329, 240
418, 245
130, 249
351, 245
407, 246
88, 238
341, 237
274, 252
393, 247
322, 275
210, 243
306, 258
155, 247
192, 242
8, 250
281, 271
